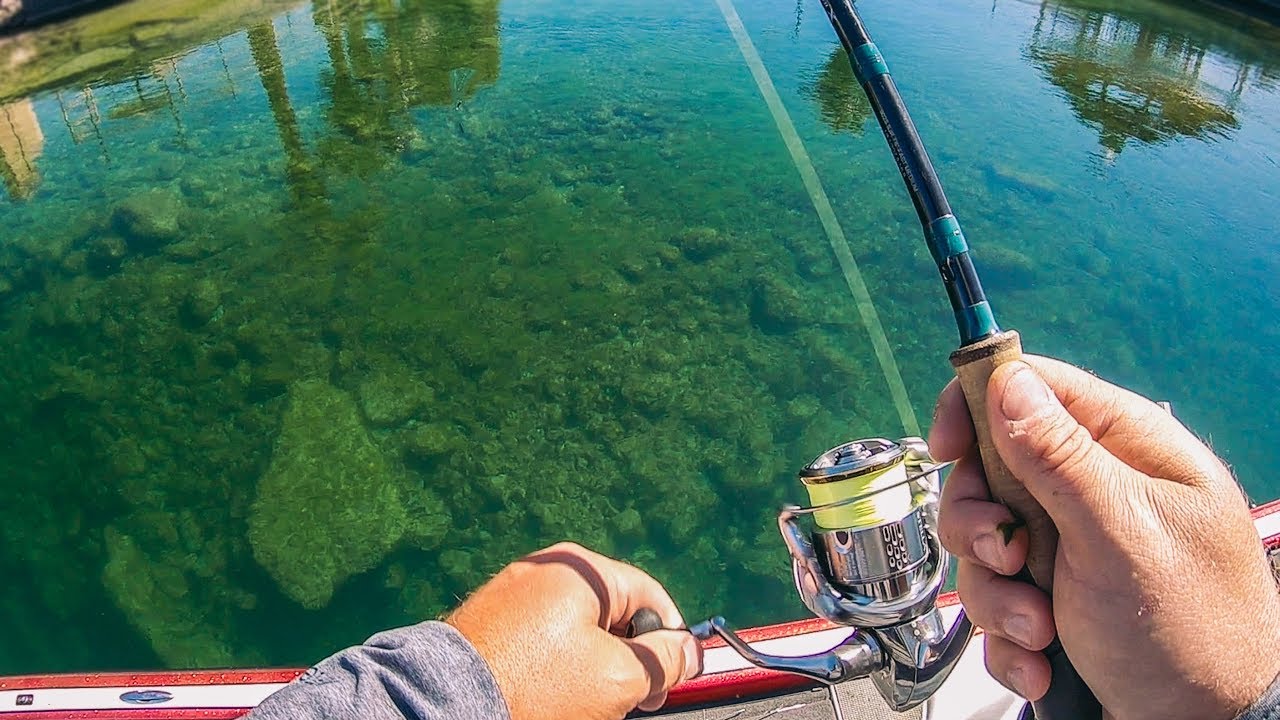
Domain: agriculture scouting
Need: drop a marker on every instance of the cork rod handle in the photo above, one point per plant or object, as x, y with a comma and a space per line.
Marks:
1068, 698
974, 365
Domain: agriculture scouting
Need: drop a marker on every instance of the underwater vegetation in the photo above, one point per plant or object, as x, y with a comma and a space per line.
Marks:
312, 344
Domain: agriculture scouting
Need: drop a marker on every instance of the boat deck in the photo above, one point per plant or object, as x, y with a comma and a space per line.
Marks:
858, 701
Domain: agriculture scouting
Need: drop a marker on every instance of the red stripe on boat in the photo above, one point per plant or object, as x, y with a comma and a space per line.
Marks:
148, 679
140, 714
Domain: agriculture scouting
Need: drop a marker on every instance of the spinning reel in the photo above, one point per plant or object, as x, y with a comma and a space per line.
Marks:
871, 561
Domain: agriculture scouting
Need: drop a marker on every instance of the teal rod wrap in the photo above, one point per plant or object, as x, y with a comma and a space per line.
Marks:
868, 62
951, 253
977, 320
946, 239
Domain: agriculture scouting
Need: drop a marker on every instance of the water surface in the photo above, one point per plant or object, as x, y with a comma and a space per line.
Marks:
314, 315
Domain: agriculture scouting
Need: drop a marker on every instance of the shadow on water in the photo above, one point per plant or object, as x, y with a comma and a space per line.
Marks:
1137, 78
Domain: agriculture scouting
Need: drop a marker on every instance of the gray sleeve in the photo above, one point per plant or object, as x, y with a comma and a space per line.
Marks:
1266, 707
424, 672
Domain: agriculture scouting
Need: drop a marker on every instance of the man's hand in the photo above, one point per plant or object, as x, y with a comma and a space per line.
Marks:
1162, 595
550, 627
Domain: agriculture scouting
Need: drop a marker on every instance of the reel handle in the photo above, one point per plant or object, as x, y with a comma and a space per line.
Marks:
1069, 698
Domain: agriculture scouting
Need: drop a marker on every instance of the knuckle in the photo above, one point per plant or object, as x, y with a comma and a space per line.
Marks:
953, 533
569, 547
993, 657
1065, 449
973, 593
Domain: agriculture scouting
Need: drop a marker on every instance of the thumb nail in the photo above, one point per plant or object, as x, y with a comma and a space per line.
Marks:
692, 658
1025, 394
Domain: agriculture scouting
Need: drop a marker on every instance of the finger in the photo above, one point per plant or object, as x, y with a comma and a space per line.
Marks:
621, 589
646, 667
1016, 611
1046, 448
654, 703
974, 528
1022, 671
952, 432
1122, 421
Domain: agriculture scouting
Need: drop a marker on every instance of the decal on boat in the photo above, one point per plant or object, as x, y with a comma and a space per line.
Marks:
146, 697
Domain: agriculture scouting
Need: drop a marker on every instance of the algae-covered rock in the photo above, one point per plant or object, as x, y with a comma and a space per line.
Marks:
149, 219
127, 458
776, 306
433, 439
701, 243
106, 253
329, 505
1005, 267
390, 398
428, 521
200, 303
153, 594
629, 523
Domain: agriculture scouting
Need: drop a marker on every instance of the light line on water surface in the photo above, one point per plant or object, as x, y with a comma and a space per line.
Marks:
822, 205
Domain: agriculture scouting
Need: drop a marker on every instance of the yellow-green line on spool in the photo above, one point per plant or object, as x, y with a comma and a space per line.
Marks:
874, 468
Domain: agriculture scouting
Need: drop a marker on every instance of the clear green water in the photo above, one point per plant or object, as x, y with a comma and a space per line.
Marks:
313, 320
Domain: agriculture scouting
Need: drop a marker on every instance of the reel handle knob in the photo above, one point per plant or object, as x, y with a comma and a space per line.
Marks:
1069, 698
645, 620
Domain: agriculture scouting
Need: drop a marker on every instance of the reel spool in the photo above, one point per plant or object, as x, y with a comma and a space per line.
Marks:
873, 558
875, 546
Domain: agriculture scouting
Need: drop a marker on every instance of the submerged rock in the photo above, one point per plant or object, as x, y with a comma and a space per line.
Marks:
201, 303
390, 398
154, 595
701, 243
104, 254
1040, 186
75, 263
149, 219
330, 505
433, 439
776, 307
1005, 267
429, 519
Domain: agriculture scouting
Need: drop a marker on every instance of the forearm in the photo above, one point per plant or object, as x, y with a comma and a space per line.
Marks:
424, 672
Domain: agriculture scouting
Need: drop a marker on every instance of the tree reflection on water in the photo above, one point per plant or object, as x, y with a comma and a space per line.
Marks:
841, 103
385, 60
1131, 81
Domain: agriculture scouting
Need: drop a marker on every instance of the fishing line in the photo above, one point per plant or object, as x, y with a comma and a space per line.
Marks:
822, 205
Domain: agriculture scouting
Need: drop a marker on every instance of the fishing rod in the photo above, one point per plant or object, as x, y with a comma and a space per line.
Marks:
983, 346
873, 559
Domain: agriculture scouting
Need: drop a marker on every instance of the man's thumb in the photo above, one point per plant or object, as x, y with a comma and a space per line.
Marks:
1052, 454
